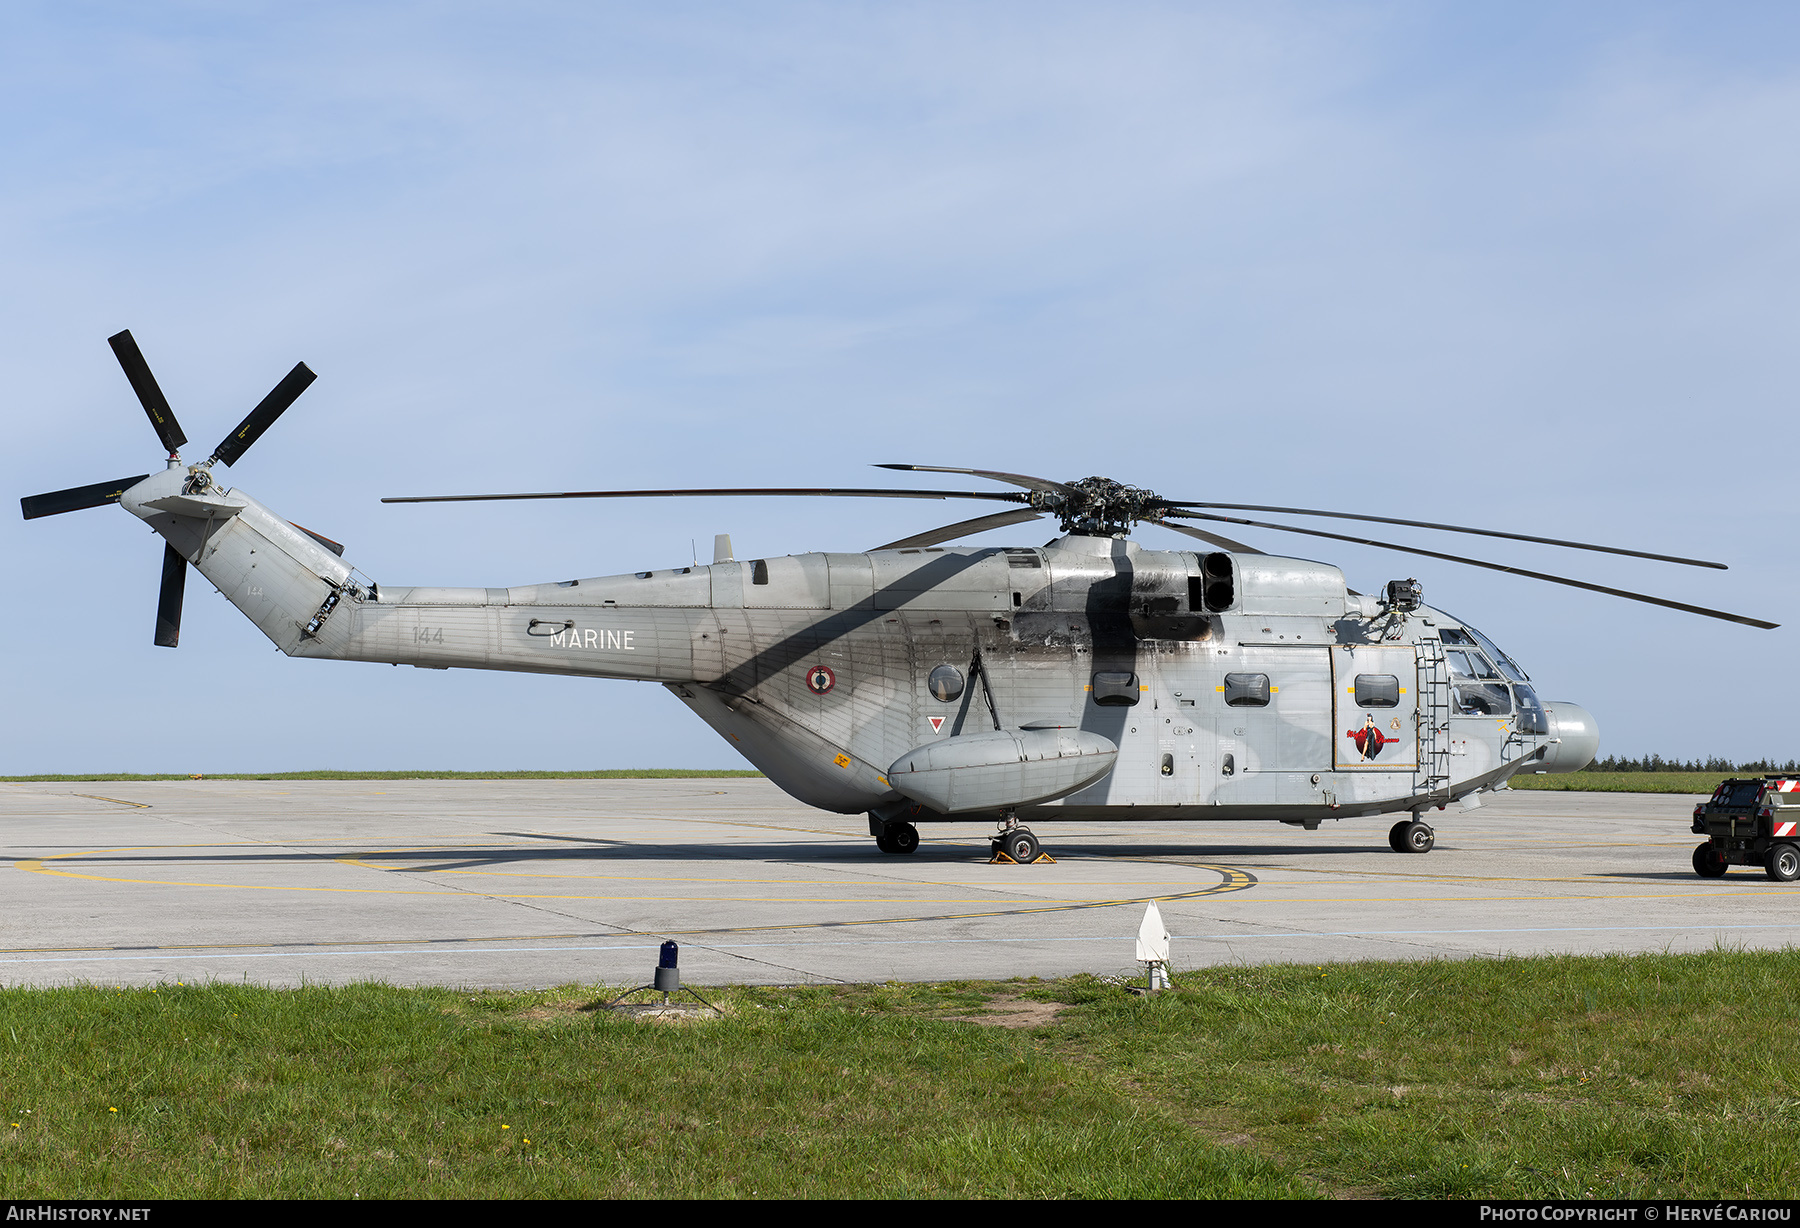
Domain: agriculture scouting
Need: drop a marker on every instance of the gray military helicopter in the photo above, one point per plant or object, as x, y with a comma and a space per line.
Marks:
1090, 678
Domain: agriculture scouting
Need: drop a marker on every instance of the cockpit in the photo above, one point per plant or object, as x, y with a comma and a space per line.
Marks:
1486, 682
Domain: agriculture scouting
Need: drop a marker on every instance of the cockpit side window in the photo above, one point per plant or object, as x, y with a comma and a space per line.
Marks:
1476, 688
1532, 717
1478, 679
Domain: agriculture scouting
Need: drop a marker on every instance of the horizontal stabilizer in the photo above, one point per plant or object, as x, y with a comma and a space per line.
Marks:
204, 506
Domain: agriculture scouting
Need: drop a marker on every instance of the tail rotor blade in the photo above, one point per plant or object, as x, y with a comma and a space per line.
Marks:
263, 416
168, 602
162, 418
77, 497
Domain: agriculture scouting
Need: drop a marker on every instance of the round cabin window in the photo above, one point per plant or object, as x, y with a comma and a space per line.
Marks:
946, 683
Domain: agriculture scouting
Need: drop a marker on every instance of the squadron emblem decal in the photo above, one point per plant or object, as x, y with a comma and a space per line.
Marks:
1369, 740
820, 679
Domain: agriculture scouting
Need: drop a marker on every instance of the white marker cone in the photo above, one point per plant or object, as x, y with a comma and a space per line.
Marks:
1152, 939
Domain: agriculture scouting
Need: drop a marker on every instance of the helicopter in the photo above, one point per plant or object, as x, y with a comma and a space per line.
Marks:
1090, 678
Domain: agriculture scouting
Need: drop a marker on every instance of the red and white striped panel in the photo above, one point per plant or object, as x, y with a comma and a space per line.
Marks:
1785, 827
1786, 786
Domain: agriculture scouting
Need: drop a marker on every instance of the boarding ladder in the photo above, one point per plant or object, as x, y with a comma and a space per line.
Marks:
1431, 779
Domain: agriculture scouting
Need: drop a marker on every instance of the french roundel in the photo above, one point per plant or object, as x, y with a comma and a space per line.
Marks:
820, 679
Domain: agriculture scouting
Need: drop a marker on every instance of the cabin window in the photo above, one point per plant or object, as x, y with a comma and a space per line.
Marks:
1377, 691
1246, 690
1115, 688
946, 683
759, 571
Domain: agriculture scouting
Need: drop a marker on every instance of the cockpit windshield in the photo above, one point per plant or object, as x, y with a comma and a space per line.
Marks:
1454, 636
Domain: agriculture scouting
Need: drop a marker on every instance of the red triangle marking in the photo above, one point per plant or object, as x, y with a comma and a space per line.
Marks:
937, 723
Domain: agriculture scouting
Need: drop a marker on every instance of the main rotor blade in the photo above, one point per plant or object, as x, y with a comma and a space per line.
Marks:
263, 416
162, 418
963, 528
1517, 571
168, 601
1456, 528
1224, 543
1017, 479
849, 492
77, 497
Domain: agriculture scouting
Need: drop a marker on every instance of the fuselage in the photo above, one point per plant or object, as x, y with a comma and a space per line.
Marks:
1232, 685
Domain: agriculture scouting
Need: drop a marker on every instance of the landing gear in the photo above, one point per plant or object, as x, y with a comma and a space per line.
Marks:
1783, 864
1709, 862
1411, 836
1016, 843
898, 838
1020, 845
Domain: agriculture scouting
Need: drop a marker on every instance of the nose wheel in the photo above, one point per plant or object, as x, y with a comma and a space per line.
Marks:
1411, 836
1015, 843
1018, 845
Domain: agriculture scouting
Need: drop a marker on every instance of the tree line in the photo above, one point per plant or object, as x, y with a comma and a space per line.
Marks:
1656, 763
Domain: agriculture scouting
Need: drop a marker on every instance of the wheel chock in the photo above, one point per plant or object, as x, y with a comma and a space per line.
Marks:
1001, 859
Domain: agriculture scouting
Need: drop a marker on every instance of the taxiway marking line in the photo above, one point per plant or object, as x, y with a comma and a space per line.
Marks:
1233, 880
36, 866
448, 946
1439, 878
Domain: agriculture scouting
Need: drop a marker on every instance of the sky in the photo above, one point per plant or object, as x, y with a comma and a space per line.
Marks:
1531, 267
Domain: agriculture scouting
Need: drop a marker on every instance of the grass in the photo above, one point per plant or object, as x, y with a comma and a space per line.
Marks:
1627, 782
325, 774
1622, 1077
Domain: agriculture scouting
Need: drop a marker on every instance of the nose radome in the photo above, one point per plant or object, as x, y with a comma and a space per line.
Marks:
1579, 734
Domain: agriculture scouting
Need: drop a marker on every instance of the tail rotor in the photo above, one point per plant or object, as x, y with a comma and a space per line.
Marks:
168, 431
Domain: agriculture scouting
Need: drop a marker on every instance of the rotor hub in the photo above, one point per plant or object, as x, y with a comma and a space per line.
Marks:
1099, 507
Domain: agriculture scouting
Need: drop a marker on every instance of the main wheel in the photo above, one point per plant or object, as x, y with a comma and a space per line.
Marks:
1709, 862
1416, 837
1783, 864
1021, 846
884, 844
902, 838
1397, 835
